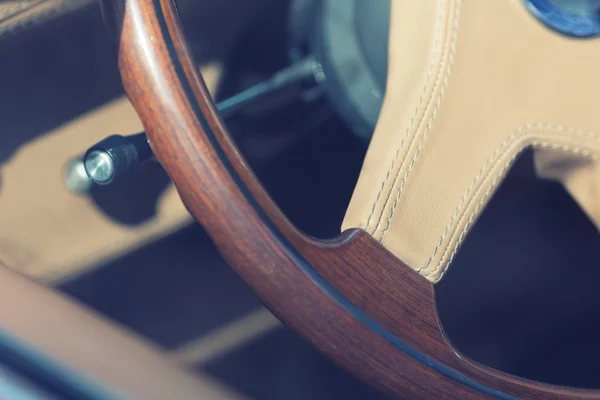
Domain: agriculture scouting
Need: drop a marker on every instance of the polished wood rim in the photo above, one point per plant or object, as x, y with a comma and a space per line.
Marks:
349, 297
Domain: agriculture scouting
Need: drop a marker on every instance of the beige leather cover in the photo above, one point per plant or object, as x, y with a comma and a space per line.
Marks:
16, 15
471, 84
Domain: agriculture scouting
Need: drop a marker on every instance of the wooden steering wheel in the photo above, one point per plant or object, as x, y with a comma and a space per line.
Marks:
352, 297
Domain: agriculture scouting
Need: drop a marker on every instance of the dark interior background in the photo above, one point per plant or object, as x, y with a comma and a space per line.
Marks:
521, 296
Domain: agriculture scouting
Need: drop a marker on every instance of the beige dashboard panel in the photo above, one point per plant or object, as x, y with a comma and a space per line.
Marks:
49, 233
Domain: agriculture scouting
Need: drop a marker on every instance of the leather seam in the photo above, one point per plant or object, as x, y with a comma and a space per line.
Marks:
38, 16
452, 52
521, 133
432, 63
507, 142
540, 144
18, 7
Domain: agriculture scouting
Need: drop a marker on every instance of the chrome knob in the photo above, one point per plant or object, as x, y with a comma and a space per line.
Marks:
116, 157
100, 167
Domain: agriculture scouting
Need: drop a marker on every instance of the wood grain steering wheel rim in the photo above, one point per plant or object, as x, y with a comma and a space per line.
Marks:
349, 297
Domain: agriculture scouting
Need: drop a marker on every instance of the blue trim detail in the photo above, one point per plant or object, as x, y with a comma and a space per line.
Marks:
323, 284
552, 15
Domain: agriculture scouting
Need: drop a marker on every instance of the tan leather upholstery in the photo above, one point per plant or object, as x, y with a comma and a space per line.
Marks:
103, 355
471, 84
66, 233
17, 15
49, 233
46, 231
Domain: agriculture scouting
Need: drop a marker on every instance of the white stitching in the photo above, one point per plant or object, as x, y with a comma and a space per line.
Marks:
575, 150
536, 143
437, 37
19, 7
515, 137
506, 142
429, 124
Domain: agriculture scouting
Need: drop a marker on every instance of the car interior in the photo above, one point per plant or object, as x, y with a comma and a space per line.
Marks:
457, 135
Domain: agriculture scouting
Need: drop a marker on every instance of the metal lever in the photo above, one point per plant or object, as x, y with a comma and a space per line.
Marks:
115, 157
118, 156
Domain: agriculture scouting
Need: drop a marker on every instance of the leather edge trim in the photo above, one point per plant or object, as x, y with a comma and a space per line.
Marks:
37, 13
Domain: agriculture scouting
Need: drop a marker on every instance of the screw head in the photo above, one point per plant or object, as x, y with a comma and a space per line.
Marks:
100, 167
